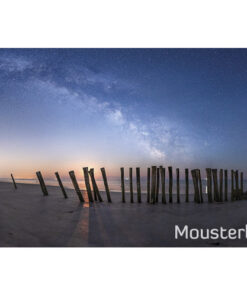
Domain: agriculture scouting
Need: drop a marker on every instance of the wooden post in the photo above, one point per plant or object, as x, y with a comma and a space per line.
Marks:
170, 184
157, 185
232, 185
209, 184
226, 185
237, 184
163, 180
91, 171
221, 185
106, 184
178, 186
153, 185
215, 180
122, 184
13, 179
97, 195
187, 185
76, 186
138, 185
199, 179
242, 183
196, 188
42, 183
87, 183
131, 185
148, 185
61, 185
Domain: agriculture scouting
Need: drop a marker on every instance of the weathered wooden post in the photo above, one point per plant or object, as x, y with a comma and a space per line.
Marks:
76, 186
242, 183
178, 186
196, 188
42, 183
106, 184
187, 185
13, 179
170, 183
91, 171
226, 185
153, 184
221, 185
157, 185
61, 185
232, 186
216, 189
199, 179
237, 185
131, 185
122, 184
209, 184
138, 185
97, 195
163, 188
148, 185
87, 183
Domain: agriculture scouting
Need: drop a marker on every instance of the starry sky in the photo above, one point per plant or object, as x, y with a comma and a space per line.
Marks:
62, 109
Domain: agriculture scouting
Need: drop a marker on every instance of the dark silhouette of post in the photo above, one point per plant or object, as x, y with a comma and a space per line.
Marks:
157, 185
87, 183
163, 180
61, 185
187, 185
42, 183
94, 192
196, 187
153, 184
76, 186
226, 185
209, 185
148, 185
97, 195
106, 184
13, 179
170, 183
237, 185
138, 185
221, 185
131, 185
216, 189
199, 179
242, 183
232, 186
178, 186
122, 184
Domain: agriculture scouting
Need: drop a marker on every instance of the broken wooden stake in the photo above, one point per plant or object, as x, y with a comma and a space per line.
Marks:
153, 184
148, 185
221, 186
138, 185
209, 185
187, 185
61, 185
216, 189
13, 179
163, 180
42, 183
95, 186
106, 184
131, 185
170, 183
157, 185
122, 184
87, 183
226, 185
76, 186
178, 186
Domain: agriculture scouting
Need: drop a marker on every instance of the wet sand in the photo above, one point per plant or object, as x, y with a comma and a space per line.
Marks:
29, 219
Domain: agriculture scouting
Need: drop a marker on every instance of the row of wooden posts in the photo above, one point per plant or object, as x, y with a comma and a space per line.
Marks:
154, 176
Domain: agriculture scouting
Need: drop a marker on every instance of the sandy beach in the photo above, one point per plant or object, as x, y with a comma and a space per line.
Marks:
28, 219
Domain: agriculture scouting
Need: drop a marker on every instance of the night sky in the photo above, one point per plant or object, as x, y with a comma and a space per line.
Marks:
62, 109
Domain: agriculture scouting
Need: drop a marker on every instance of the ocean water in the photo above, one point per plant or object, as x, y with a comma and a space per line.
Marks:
115, 184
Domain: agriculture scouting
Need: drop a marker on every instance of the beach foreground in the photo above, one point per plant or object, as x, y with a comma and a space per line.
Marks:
28, 219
